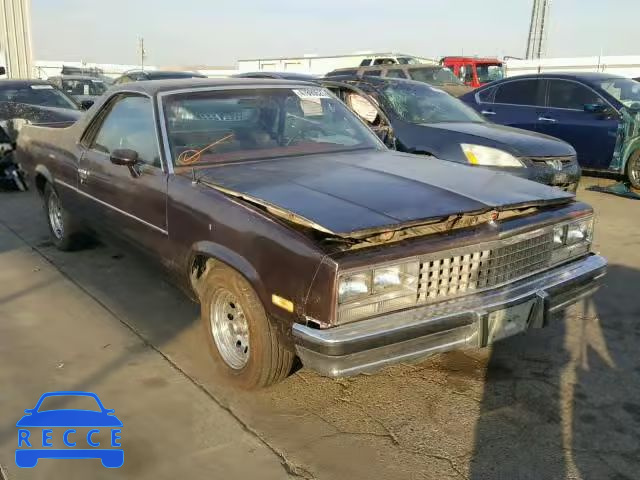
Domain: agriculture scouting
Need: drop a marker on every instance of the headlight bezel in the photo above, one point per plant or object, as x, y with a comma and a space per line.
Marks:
483, 156
381, 300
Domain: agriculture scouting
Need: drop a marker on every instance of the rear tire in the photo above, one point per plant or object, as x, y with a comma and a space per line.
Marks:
247, 348
64, 231
633, 169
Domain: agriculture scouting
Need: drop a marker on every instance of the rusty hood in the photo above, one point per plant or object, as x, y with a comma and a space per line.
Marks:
373, 191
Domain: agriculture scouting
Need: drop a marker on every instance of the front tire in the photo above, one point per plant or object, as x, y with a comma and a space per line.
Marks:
247, 349
633, 169
64, 232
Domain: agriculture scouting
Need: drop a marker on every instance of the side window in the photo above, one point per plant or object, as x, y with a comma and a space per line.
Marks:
363, 108
366, 62
395, 73
372, 73
520, 92
129, 124
487, 95
571, 95
467, 74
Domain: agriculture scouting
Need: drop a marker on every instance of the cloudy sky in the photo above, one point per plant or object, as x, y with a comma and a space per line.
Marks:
218, 32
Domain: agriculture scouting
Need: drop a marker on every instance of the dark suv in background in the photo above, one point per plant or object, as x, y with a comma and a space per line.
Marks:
435, 75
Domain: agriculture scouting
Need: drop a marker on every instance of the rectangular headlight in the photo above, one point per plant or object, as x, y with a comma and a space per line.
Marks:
572, 239
377, 290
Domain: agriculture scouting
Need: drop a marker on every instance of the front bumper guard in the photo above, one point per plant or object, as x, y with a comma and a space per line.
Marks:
369, 345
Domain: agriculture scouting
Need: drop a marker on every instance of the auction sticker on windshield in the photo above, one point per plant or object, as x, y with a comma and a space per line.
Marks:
313, 92
53, 430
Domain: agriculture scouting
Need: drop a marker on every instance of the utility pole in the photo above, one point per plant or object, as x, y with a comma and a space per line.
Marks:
143, 52
538, 27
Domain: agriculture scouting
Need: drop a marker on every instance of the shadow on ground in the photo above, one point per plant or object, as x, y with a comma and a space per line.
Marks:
566, 404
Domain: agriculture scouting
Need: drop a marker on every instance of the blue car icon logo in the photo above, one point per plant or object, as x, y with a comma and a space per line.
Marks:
32, 446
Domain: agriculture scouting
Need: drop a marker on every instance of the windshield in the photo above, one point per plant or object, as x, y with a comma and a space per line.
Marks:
422, 104
434, 76
489, 73
38, 94
216, 127
625, 90
83, 86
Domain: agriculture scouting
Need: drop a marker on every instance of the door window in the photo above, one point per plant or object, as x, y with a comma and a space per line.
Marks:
571, 95
467, 74
520, 92
486, 95
366, 62
372, 73
129, 124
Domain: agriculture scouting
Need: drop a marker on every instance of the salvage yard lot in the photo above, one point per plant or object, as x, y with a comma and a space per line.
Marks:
563, 402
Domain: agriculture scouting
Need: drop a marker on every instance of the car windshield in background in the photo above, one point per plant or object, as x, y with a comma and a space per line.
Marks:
215, 127
84, 87
37, 94
422, 104
434, 76
489, 73
625, 90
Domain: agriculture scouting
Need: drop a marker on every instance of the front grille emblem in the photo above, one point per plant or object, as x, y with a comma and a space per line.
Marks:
555, 164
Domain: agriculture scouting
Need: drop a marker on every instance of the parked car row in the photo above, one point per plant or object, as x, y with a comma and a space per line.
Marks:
301, 234
595, 113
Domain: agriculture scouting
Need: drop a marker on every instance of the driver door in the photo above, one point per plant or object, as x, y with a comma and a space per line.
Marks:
130, 202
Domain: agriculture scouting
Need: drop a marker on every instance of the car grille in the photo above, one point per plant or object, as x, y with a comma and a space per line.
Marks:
444, 278
545, 160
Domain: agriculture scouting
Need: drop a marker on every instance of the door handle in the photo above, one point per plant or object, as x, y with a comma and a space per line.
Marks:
488, 112
83, 174
547, 119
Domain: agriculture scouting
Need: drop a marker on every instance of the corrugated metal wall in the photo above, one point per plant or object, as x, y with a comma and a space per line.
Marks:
15, 37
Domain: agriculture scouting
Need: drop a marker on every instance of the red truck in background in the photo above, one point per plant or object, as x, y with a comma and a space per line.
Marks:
474, 71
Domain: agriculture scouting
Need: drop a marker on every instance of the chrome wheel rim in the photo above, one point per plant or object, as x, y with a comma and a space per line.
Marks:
230, 329
55, 216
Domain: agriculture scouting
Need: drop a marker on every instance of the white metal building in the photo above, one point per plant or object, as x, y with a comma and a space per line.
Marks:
625, 65
314, 64
15, 38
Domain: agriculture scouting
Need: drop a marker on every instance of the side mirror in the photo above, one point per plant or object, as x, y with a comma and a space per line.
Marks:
124, 157
595, 108
86, 104
3, 71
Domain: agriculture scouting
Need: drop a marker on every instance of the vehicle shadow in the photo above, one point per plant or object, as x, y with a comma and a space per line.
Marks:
563, 402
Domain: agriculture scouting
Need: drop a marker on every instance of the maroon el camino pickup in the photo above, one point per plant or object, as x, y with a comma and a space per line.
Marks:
301, 234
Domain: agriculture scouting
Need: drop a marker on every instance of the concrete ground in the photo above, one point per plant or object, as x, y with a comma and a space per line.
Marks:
559, 403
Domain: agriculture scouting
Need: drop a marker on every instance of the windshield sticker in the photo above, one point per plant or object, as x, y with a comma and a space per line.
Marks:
311, 93
41, 87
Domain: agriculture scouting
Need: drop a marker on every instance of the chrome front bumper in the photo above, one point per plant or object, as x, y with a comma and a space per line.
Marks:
470, 321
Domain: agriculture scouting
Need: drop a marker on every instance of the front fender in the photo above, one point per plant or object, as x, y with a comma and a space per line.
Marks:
43, 171
227, 256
